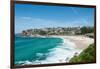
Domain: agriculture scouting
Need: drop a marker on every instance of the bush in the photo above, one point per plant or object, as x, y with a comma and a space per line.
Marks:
88, 55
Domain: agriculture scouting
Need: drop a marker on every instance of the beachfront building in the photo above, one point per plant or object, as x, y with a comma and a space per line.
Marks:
53, 31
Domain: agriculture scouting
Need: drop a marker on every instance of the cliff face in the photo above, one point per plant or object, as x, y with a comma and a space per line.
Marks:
27, 32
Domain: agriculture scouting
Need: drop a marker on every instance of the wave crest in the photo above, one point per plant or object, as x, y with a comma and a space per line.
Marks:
61, 54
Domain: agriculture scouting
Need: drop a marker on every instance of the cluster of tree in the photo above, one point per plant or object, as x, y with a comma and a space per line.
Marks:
42, 32
85, 30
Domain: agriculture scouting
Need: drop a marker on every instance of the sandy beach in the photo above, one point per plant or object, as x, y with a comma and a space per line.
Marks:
72, 45
81, 42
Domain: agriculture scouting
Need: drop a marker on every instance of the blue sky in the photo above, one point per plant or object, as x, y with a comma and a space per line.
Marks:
39, 16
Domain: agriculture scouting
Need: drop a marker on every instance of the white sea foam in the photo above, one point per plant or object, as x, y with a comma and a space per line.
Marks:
60, 54
39, 54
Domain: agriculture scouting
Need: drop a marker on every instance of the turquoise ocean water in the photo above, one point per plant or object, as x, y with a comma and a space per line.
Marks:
29, 49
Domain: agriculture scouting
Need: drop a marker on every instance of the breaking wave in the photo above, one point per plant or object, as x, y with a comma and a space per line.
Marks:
60, 54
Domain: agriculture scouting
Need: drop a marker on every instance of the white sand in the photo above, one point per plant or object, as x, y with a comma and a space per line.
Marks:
78, 42
60, 54
81, 42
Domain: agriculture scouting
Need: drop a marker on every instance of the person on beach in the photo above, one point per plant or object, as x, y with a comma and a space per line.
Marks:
76, 54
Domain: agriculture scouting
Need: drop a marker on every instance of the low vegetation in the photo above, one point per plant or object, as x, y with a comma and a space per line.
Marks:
88, 55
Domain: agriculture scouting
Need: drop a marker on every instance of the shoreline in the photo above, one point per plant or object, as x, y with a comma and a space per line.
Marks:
79, 42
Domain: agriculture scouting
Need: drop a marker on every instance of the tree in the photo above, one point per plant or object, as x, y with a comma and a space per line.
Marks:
42, 32
85, 30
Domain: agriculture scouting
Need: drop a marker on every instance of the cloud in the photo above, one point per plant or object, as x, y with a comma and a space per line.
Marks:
25, 18
40, 23
22, 23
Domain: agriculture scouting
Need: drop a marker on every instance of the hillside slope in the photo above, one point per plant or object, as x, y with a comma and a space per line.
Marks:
88, 55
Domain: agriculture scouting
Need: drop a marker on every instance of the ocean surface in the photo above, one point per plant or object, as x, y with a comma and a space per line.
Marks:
30, 50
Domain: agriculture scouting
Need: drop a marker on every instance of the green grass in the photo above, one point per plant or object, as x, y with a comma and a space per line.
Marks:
88, 55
